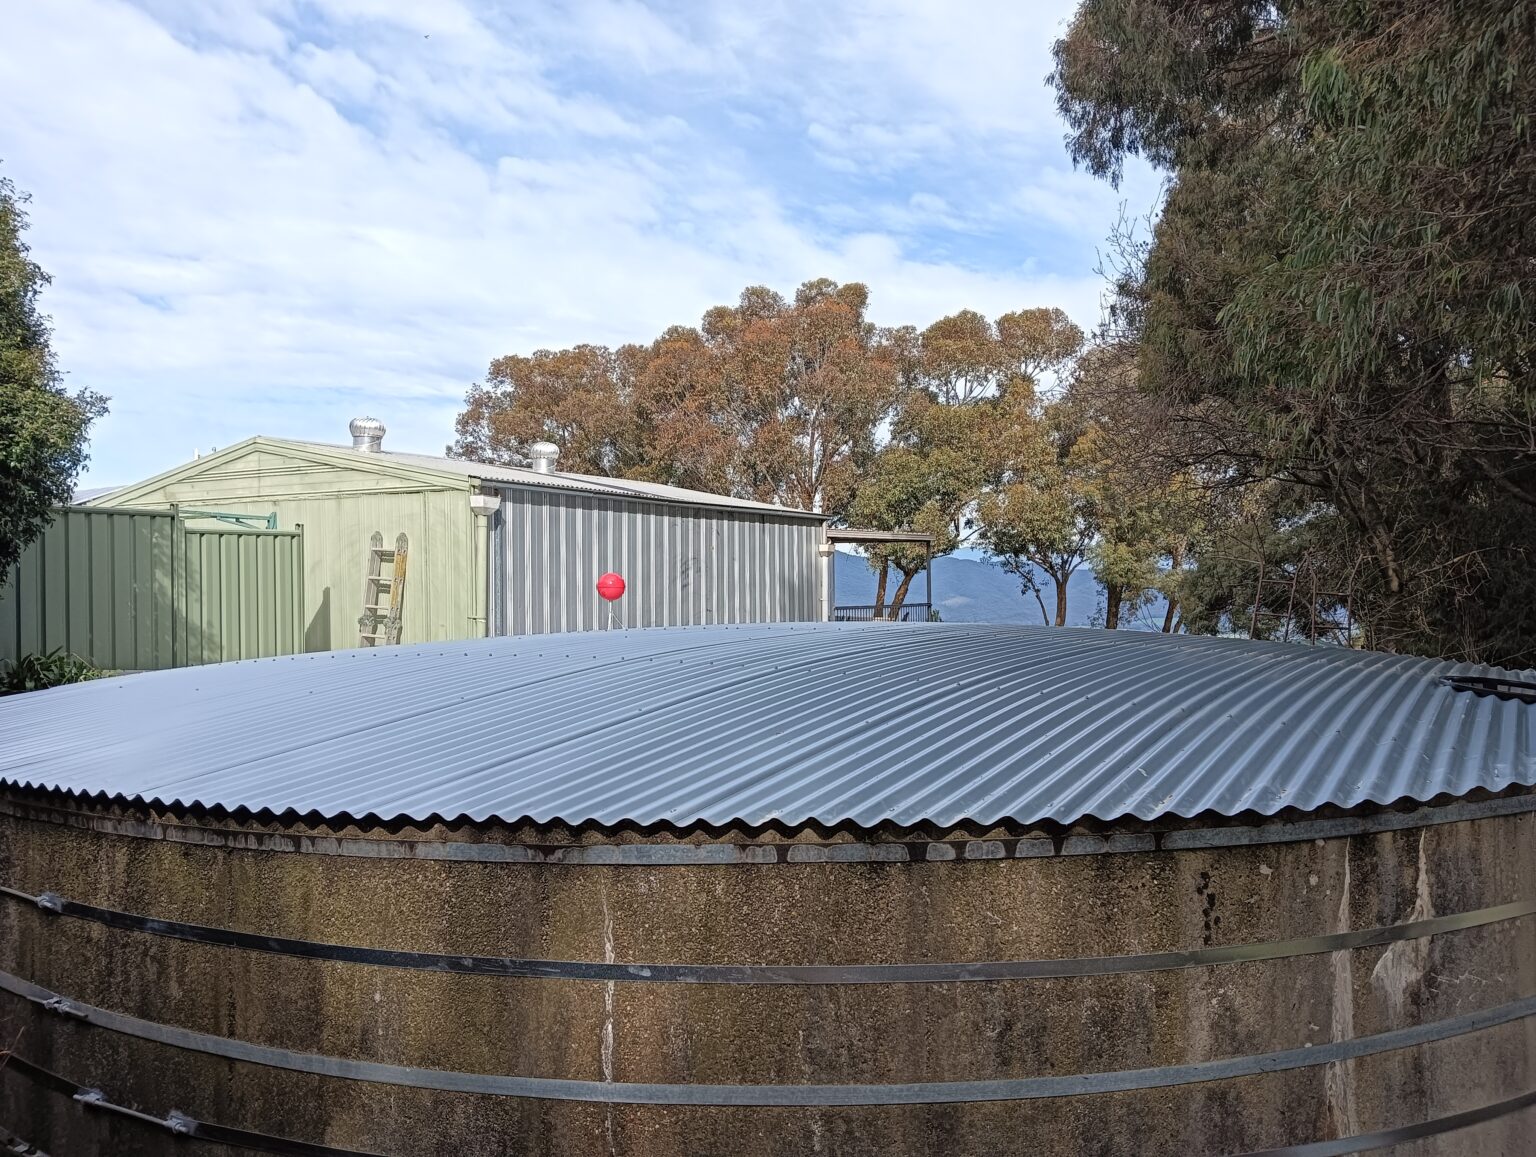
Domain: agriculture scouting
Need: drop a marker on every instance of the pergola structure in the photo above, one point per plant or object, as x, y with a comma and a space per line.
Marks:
859, 536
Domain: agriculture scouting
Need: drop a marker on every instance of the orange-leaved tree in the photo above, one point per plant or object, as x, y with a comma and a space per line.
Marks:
781, 401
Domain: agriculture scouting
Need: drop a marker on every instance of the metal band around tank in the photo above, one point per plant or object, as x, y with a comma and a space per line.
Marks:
763, 974
784, 852
268, 1143
789, 1096
173, 1122
1385, 1138
10, 1143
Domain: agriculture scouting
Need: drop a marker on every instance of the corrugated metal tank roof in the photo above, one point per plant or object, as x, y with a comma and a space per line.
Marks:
938, 723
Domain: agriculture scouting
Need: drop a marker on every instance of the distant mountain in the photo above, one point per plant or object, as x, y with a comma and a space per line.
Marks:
976, 590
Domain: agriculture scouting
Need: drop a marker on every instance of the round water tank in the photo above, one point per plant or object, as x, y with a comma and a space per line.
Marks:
777, 890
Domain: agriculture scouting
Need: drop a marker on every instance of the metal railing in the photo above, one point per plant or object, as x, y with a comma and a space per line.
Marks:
908, 613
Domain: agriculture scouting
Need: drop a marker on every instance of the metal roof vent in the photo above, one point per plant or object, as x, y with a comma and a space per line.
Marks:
543, 456
1500, 688
367, 434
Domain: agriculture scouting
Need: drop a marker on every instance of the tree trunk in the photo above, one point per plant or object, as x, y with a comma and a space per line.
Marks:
1367, 516
1171, 617
901, 592
1061, 600
1114, 593
1025, 571
880, 589
1045, 616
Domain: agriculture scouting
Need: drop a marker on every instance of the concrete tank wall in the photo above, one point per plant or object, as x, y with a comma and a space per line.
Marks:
687, 1034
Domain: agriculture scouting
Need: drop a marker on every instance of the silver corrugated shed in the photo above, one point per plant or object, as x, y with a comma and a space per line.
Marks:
865, 723
689, 558
683, 566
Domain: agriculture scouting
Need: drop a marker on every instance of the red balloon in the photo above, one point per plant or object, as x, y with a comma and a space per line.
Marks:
611, 586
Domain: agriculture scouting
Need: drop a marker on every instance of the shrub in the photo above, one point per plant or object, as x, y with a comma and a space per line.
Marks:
37, 672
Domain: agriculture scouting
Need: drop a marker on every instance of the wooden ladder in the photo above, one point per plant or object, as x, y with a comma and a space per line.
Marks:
379, 624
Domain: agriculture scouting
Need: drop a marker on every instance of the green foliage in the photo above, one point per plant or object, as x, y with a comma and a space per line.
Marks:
1267, 564
1084, 486
1338, 291
42, 428
39, 672
1042, 518
968, 414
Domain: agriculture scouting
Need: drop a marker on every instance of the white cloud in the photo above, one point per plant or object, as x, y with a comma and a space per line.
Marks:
266, 217
981, 65
627, 30
337, 74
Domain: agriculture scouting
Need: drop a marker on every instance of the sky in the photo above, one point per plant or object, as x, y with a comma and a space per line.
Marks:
272, 216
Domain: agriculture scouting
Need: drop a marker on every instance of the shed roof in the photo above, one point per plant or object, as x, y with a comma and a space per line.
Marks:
462, 472
588, 483
860, 723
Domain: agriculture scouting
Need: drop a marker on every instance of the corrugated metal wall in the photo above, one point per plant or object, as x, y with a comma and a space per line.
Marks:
139, 590
241, 594
439, 587
96, 582
340, 505
683, 566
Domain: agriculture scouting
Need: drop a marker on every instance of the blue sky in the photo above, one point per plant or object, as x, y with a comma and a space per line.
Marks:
270, 216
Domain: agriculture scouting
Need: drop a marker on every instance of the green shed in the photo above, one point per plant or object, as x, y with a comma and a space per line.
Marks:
504, 549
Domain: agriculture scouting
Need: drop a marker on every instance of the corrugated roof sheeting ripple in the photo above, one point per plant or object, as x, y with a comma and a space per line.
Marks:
939, 723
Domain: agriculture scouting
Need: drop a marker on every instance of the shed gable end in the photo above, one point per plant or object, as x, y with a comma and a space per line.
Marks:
273, 471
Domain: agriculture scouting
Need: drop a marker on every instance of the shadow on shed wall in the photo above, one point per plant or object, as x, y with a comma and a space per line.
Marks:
317, 635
